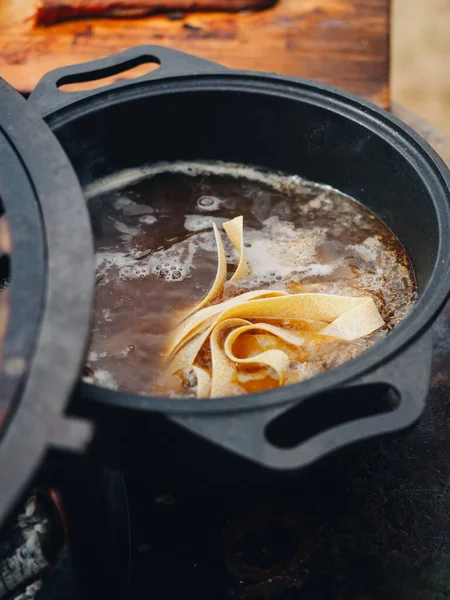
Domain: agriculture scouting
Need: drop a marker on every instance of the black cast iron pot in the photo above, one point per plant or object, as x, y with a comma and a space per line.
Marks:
191, 109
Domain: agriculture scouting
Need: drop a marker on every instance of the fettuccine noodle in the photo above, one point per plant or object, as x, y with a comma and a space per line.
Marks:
258, 314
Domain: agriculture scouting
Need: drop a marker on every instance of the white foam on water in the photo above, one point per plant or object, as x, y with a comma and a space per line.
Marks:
316, 270
125, 352
320, 202
275, 252
148, 219
103, 378
208, 203
206, 241
369, 250
137, 271
121, 202
130, 208
279, 250
105, 260
126, 264
126, 177
134, 209
305, 370
175, 263
123, 228
201, 223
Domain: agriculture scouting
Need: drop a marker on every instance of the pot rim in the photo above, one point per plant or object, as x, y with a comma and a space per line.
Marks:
434, 174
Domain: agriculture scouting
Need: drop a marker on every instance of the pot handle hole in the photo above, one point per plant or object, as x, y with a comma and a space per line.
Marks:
48, 95
386, 400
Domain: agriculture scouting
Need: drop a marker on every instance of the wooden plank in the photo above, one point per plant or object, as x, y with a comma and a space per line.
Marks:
340, 42
54, 11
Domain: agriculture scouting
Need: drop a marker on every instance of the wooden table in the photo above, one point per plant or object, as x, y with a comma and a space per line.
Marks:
340, 42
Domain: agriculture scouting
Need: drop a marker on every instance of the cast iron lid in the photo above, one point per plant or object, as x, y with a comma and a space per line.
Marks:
46, 286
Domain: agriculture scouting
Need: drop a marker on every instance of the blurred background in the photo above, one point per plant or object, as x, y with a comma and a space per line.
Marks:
421, 58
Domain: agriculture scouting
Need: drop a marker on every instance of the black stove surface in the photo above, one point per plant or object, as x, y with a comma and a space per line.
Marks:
371, 523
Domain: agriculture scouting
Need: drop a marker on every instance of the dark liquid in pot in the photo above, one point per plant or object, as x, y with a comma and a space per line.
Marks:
155, 254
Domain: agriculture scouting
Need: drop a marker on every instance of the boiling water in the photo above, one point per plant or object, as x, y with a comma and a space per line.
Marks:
156, 254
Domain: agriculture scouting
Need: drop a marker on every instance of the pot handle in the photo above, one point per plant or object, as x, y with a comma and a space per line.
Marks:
47, 97
245, 433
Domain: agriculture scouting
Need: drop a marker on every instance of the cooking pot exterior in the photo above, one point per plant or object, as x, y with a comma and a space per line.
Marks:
192, 109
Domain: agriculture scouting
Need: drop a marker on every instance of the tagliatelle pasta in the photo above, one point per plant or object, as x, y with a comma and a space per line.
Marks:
224, 371
203, 382
274, 358
221, 275
276, 319
235, 231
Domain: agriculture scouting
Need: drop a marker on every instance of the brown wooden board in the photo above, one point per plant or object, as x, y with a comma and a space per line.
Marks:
56, 11
340, 42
